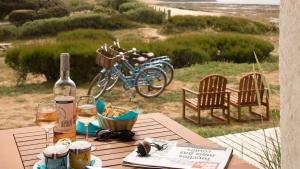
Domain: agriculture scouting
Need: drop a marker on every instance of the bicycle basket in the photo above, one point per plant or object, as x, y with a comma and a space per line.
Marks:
106, 59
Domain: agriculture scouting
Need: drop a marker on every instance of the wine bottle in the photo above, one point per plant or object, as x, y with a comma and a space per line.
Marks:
64, 96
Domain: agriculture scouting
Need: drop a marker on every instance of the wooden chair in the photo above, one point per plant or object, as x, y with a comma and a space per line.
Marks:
212, 95
251, 93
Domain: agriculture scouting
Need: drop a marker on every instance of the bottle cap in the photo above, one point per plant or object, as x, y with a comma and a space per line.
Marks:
64, 61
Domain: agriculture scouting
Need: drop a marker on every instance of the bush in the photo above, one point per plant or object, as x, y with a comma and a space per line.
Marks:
54, 25
44, 58
109, 11
146, 15
8, 32
189, 49
184, 50
114, 4
78, 5
52, 12
18, 17
130, 6
22, 11
223, 23
183, 57
6, 6
86, 35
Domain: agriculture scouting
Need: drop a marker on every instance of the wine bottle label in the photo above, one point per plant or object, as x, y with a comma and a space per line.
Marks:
66, 108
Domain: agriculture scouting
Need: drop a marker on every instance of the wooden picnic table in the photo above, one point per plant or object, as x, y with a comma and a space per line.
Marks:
19, 147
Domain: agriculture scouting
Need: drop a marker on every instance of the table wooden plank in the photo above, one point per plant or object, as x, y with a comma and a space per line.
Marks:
30, 141
9, 153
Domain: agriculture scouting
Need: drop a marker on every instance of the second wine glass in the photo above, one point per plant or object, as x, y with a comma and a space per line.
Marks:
86, 111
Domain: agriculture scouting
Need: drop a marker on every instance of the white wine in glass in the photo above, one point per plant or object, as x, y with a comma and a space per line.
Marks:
47, 117
86, 111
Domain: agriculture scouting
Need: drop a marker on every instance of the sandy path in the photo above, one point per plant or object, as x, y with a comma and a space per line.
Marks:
177, 11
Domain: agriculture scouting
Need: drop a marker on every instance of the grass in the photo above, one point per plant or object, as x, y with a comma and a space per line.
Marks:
234, 127
196, 72
26, 89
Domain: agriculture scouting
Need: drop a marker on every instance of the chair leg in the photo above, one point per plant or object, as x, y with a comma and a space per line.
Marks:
183, 110
223, 112
267, 111
199, 121
239, 113
212, 112
228, 114
250, 109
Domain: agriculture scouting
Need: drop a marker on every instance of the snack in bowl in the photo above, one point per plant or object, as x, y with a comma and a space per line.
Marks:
113, 112
117, 118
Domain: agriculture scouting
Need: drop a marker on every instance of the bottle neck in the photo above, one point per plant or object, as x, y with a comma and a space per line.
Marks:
64, 74
64, 66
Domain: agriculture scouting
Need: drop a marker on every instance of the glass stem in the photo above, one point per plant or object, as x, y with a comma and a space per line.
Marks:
47, 136
86, 132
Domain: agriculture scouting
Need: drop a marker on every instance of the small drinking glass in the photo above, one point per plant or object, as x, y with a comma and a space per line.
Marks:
47, 117
86, 111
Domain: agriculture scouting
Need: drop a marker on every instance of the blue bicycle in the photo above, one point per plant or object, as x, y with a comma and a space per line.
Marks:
148, 81
142, 60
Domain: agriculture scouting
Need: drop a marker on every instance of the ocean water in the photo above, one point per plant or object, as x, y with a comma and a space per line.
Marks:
233, 2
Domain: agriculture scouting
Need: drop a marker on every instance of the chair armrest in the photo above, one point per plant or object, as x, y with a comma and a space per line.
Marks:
232, 90
190, 91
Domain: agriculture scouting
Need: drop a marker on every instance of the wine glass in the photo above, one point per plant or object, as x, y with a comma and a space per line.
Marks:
47, 117
86, 111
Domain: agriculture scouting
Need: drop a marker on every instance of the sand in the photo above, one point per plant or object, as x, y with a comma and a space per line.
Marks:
176, 11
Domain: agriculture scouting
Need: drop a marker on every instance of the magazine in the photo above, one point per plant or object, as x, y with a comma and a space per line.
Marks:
181, 155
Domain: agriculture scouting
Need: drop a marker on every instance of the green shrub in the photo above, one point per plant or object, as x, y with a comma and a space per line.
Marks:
146, 15
216, 47
54, 25
185, 50
27, 10
101, 9
6, 6
44, 58
52, 12
8, 32
86, 35
222, 23
18, 17
114, 4
183, 57
130, 6
78, 5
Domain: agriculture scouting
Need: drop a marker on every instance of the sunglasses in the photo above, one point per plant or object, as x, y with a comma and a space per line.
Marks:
103, 135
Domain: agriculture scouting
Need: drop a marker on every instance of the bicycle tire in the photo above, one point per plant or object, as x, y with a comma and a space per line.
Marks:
170, 67
94, 82
112, 82
141, 73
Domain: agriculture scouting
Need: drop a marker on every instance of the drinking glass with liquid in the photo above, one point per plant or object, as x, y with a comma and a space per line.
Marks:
86, 111
47, 117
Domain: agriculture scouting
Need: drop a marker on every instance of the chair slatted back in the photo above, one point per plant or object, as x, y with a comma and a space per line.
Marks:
212, 91
251, 86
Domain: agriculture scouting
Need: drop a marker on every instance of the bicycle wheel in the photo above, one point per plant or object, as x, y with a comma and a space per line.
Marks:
112, 81
150, 82
98, 85
169, 70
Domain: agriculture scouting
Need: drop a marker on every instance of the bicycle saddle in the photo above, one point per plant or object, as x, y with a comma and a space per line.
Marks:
148, 55
140, 59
